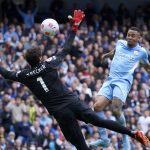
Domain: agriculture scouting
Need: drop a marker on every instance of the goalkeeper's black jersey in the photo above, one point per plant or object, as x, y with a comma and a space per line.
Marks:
43, 80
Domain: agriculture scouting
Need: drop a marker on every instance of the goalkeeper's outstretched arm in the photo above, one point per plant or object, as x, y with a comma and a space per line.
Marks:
76, 20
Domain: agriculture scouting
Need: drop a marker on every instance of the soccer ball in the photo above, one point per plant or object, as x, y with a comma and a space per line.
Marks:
49, 27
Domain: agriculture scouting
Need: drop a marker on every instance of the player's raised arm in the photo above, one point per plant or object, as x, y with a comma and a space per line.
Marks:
76, 20
146, 66
108, 55
145, 62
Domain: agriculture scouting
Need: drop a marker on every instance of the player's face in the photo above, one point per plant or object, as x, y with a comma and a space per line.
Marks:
133, 38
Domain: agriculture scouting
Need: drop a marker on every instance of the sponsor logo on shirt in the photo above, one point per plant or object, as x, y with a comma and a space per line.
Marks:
136, 53
122, 56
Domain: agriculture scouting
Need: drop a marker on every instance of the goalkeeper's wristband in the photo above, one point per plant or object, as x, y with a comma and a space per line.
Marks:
74, 28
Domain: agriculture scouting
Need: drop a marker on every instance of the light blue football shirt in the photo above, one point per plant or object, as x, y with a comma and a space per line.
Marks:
126, 60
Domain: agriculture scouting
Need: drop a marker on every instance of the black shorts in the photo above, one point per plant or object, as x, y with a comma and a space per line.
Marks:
77, 108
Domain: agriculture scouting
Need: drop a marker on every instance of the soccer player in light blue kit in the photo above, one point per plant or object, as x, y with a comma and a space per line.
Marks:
127, 55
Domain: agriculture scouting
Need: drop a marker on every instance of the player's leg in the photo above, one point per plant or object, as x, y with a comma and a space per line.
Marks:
71, 128
102, 100
119, 96
117, 112
100, 104
104, 96
86, 114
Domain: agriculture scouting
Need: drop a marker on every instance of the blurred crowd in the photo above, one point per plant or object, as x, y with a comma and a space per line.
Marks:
24, 122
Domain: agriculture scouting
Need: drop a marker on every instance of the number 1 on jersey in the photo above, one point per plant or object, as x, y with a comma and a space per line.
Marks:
39, 79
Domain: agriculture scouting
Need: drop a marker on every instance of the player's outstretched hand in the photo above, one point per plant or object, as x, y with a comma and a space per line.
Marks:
76, 20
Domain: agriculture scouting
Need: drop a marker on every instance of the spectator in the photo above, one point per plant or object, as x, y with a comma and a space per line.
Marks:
11, 140
2, 132
144, 121
36, 133
22, 129
45, 137
7, 119
52, 142
17, 108
3, 144
28, 18
32, 110
45, 120
57, 7
11, 33
18, 143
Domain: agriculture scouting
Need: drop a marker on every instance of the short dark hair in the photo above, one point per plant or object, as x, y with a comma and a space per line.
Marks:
33, 55
136, 29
